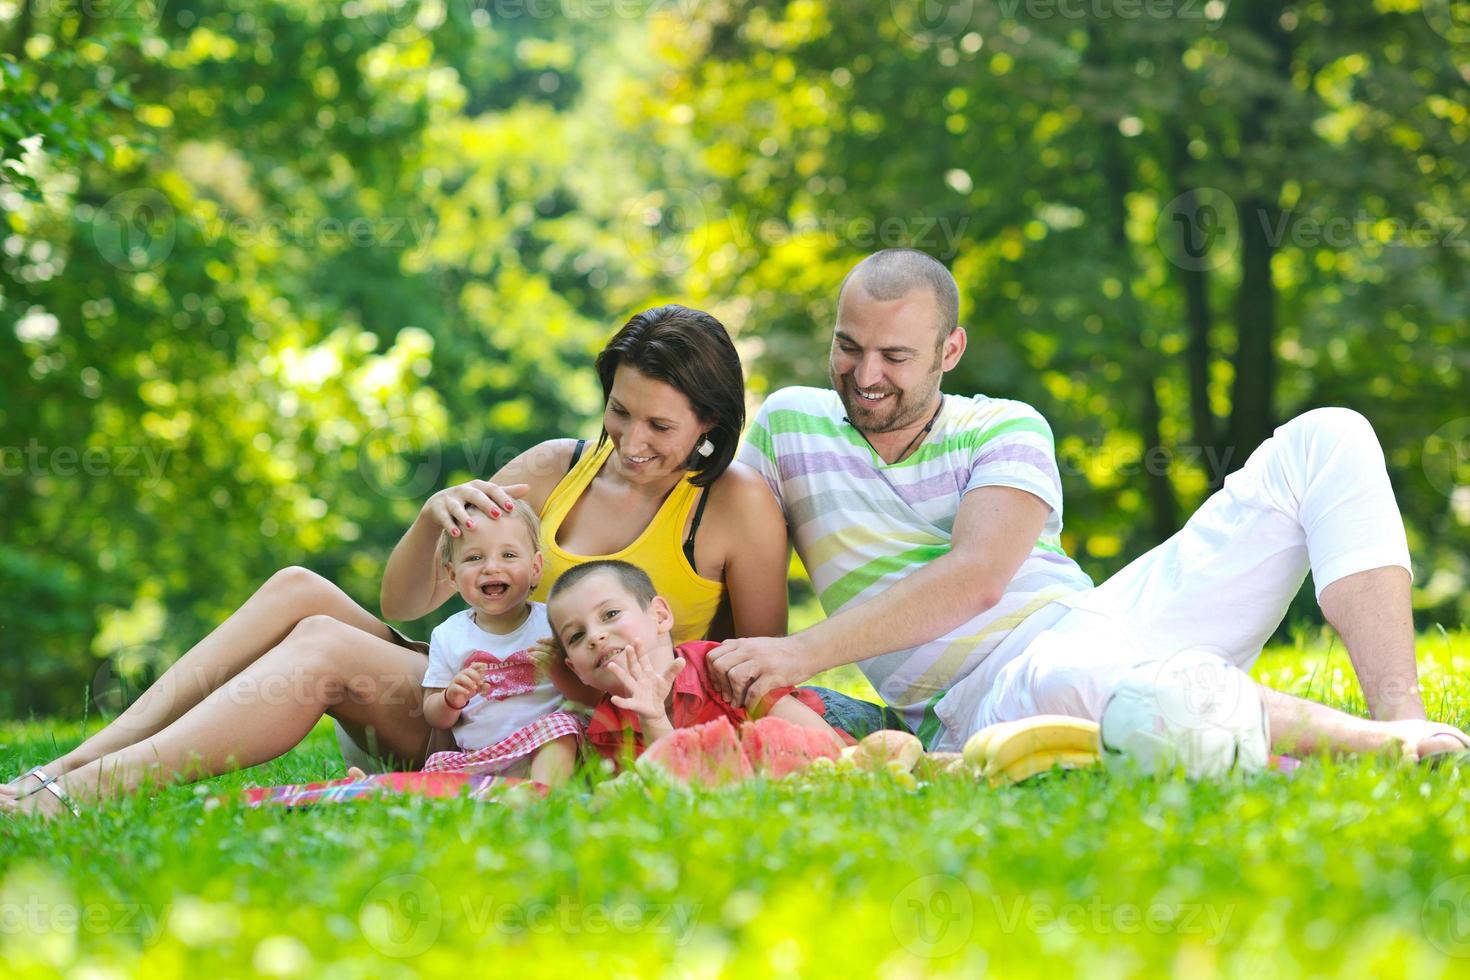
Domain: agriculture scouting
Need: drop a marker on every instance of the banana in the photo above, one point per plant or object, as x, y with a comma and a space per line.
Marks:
1039, 762
978, 745
1043, 733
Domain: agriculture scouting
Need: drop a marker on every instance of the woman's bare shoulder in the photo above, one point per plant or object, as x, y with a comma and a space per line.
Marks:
741, 492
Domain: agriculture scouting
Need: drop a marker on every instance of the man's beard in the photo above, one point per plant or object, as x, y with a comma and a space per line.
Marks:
898, 411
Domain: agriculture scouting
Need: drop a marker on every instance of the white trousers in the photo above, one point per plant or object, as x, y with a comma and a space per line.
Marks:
1315, 495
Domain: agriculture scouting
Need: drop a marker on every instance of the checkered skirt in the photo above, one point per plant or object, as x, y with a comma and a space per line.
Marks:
492, 760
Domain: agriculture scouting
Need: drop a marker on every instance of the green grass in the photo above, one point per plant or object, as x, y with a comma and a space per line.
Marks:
1352, 868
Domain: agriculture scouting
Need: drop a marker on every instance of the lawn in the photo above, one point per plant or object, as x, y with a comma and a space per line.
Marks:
1355, 868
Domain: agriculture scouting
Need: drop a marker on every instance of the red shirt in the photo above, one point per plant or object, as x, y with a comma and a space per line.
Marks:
695, 702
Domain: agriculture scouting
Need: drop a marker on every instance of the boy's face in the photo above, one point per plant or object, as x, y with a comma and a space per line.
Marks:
495, 565
598, 622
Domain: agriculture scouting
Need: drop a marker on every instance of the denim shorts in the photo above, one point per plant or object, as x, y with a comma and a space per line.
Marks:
855, 716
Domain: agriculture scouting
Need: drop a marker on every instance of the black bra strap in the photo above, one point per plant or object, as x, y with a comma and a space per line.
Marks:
694, 526
577, 454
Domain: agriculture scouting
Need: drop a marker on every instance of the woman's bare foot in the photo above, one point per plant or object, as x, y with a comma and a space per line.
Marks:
42, 804
355, 774
20, 784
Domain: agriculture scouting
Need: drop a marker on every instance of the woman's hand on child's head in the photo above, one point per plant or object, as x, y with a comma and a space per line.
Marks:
646, 687
450, 507
466, 684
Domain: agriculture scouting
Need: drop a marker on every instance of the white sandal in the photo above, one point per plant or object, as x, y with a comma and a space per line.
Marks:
49, 783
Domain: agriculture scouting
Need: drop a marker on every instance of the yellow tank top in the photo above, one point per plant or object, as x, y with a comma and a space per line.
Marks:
659, 550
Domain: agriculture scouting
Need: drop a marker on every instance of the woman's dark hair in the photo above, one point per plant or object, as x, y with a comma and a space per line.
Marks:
690, 350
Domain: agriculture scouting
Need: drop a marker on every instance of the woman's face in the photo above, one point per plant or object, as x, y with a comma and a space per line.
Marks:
652, 425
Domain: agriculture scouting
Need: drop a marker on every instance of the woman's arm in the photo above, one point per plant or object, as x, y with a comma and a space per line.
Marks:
414, 582
751, 535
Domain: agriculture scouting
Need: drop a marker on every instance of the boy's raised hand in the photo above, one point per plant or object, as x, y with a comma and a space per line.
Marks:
466, 684
646, 687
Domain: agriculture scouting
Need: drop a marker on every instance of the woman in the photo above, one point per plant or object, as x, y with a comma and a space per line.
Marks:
657, 488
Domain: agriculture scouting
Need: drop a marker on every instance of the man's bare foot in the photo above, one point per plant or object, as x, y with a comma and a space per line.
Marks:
1419, 740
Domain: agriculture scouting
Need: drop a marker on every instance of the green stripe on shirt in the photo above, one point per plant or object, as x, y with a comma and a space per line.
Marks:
840, 592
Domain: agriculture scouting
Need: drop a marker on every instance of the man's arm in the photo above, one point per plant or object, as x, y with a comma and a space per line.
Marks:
994, 530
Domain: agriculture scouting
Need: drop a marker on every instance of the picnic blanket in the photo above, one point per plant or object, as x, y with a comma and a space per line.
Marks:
433, 785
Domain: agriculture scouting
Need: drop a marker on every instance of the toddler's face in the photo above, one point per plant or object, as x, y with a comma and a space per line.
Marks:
598, 622
495, 566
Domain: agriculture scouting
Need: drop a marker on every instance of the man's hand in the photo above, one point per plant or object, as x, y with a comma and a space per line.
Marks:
647, 689
466, 684
745, 670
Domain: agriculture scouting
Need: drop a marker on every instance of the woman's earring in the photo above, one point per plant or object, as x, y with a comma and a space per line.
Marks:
706, 448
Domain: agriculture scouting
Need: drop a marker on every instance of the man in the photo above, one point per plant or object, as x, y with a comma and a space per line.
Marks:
931, 527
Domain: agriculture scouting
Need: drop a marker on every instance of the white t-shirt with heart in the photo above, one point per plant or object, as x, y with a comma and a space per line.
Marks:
519, 693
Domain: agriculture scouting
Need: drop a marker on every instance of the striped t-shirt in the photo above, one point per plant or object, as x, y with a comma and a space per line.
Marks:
860, 524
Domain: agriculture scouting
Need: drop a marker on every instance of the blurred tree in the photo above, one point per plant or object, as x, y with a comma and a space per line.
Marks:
1150, 211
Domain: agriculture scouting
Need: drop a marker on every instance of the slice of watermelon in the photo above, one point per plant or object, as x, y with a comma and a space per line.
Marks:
778, 748
708, 754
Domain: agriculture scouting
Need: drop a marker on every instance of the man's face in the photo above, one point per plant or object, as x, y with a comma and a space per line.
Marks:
598, 622
888, 358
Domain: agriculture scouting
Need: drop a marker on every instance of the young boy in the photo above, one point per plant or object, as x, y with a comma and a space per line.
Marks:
483, 681
614, 631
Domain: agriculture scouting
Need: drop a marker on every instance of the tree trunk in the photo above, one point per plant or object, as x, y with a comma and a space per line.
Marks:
1253, 414
1198, 318
1164, 507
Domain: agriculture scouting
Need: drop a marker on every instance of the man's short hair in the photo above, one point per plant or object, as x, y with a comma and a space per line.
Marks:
632, 578
449, 544
894, 272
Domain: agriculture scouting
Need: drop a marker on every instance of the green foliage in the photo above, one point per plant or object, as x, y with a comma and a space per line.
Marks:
270, 273
1342, 868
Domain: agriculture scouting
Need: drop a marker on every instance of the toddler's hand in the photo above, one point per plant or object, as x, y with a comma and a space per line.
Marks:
466, 684
646, 687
